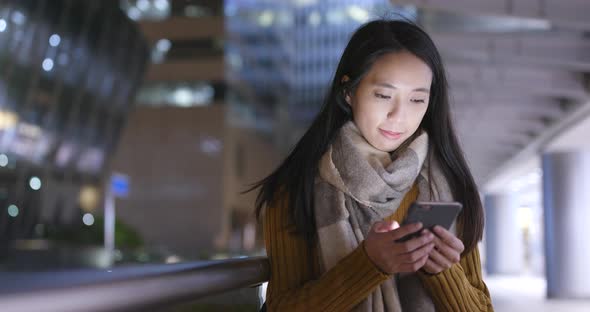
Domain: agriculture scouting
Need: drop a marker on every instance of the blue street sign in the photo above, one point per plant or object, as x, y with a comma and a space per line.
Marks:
120, 185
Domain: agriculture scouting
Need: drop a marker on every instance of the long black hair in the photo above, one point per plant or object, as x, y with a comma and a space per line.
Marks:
293, 180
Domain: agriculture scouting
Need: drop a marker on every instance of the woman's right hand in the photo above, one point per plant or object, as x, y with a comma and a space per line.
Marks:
395, 257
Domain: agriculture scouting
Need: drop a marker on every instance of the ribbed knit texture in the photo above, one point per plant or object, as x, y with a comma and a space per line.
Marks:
296, 285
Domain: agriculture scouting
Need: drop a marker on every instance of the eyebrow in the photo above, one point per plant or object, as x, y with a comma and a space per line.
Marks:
387, 85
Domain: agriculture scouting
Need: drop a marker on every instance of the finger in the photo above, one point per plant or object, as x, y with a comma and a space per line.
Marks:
439, 259
405, 230
414, 243
379, 227
411, 257
386, 226
449, 238
428, 267
447, 251
415, 266
431, 267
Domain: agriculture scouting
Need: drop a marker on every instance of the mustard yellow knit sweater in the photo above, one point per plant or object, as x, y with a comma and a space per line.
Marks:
296, 283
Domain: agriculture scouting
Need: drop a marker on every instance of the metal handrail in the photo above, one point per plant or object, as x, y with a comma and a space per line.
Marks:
188, 283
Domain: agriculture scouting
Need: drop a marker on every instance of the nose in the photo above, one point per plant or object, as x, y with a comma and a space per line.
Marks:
397, 112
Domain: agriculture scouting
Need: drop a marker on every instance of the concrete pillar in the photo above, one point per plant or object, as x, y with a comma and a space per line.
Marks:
504, 238
566, 199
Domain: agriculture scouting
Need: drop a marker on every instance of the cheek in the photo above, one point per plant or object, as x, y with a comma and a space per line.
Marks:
372, 119
418, 115
367, 112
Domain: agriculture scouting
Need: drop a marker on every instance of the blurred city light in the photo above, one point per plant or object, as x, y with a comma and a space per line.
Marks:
146, 9
162, 5
160, 50
266, 18
54, 40
358, 14
88, 219
335, 16
183, 96
211, 146
173, 259
13, 211
524, 216
35, 183
134, 13
47, 64
89, 198
7, 119
143, 5
3, 160
18, 18
314, 19
163, 45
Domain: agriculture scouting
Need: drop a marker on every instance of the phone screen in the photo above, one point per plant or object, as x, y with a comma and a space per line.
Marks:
431, 214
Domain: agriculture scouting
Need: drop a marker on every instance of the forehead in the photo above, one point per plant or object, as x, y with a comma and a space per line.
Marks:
402, 69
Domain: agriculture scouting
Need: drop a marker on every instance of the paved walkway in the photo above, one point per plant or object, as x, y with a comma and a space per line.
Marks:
512, 293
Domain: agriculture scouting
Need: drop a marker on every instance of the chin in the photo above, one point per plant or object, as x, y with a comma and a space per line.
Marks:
386, 148
391, 148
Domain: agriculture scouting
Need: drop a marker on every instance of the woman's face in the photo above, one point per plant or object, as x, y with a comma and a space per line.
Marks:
390, 101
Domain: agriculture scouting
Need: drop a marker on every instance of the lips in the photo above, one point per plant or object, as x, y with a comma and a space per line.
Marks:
390, 134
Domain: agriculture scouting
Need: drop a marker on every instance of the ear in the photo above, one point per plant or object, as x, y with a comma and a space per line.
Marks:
344, 79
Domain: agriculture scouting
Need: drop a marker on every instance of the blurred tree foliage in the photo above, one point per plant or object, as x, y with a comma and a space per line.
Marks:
79, 234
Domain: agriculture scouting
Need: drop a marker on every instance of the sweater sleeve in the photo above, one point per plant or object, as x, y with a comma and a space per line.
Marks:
461, 287
294, 285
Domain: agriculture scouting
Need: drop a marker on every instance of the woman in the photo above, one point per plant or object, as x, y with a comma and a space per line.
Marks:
382, 140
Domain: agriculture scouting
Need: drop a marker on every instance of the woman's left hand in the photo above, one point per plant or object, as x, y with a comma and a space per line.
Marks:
446, 252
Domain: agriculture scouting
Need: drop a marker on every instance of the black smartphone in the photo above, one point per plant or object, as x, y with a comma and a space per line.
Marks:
431, 214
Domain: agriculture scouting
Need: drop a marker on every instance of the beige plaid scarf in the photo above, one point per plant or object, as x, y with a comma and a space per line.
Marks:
359, 185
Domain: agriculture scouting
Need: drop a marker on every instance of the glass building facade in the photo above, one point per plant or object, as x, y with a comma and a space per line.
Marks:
68, 73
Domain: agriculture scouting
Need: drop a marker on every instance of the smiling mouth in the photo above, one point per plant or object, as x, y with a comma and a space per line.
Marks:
390, 134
